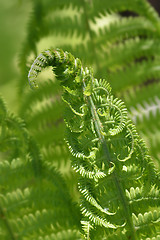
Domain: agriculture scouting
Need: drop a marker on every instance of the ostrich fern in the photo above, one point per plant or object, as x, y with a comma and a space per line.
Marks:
118, 183
126, 49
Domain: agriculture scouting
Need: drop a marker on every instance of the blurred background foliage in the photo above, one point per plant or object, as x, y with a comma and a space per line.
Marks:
13, 18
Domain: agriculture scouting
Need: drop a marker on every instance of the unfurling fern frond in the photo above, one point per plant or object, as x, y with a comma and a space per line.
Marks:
101, 34
116, 174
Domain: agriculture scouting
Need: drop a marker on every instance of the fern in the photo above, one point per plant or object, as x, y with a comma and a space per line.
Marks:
124, 48
37, 184
34, 198
106, 151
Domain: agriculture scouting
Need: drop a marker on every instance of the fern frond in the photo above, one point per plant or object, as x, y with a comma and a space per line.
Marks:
102, 139
144, 112
142, 8
142, 96
126, 28
33, 98
65, 26
34, 198
136, 199
135, 74
149, 221
124, 53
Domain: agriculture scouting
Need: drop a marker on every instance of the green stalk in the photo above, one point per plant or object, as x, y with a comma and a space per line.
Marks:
108, 158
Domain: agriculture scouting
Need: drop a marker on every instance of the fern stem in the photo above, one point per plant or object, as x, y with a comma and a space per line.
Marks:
6, 223
108, 158
98, 128
125, 207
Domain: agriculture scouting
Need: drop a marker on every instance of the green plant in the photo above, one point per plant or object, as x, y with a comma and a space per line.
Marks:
34, 200
123, 48
107, 153
38, 188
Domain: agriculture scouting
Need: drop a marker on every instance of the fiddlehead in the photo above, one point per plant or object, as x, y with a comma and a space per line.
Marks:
107, 152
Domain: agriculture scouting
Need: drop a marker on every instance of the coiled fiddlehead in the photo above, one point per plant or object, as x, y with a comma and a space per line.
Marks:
107, 152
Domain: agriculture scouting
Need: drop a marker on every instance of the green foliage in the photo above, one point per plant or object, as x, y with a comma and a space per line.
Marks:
107, 153
124, 48
34, 200
118, 198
